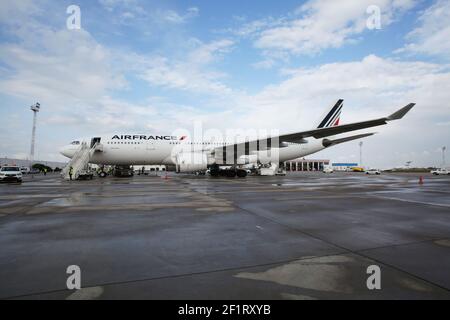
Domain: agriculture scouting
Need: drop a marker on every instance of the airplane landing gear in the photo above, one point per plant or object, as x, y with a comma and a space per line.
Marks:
241, 173
215, 171
231, 173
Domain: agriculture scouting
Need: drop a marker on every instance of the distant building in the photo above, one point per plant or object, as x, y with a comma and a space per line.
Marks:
343, 166
26, 163
302, 164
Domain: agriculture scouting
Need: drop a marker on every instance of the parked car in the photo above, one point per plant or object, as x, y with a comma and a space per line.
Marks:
328, 170
10, 173
373, 171
123, 171
440, 171
24, 170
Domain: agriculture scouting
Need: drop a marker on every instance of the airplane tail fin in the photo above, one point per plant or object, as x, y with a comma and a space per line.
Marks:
332, 117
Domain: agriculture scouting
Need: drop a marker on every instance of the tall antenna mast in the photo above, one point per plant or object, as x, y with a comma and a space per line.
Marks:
35, 108
443, 156
360, 153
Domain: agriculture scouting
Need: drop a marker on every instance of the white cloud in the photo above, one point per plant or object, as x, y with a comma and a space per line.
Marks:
133, 10
323, 24
16, 12
433, 34
193, 11
190, 73
253, 28
121, 5
174, 17
51, 65
373, 85
206, 53
264, 64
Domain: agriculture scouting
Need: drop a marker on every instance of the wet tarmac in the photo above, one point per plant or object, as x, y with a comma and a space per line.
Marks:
302, 236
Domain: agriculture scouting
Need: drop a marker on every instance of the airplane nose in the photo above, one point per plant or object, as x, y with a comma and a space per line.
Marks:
64, 151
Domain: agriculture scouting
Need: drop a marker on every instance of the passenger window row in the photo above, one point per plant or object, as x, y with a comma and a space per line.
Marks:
192, 143
115, 142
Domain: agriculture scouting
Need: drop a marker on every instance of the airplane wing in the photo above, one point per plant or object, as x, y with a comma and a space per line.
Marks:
298, 137
330, 131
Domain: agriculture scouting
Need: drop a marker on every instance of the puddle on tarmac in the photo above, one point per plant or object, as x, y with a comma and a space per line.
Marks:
90, 293
414, 285
445, 243
323, 274
215, 209
83, 200
290, 296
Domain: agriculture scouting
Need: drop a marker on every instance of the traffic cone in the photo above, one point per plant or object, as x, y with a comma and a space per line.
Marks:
420, 180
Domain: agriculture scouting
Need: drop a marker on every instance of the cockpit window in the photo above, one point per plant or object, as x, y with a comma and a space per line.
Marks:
75, 142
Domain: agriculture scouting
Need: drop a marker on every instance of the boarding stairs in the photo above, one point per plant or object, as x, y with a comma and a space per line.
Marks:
80, 160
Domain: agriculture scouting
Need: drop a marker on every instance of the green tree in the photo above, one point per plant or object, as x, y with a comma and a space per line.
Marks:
41, 167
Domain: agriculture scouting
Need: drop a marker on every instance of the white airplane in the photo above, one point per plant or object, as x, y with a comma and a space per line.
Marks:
194, 156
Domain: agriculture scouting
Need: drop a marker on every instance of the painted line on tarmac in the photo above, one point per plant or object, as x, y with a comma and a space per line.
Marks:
418, 202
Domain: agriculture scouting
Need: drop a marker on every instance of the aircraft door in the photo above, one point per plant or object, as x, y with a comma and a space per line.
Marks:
94, 141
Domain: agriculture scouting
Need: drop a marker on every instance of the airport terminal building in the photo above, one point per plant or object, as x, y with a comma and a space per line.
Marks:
26, 163
302, 164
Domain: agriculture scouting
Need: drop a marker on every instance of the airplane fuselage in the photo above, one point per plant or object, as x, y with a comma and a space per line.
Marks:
153, 150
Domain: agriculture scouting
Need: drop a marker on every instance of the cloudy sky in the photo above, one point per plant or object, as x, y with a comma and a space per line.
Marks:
159, 65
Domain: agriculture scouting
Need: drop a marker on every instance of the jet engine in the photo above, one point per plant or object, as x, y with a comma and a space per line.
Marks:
246, 159
191, 162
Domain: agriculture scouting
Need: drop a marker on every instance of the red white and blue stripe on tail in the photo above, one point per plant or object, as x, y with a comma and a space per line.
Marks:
333, 117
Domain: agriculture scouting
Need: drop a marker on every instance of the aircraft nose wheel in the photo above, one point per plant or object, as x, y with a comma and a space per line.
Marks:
214, 171
231, 173
241, 173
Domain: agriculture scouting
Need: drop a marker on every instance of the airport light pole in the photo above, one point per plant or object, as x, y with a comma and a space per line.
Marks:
35, 108
360, 153
443, 156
